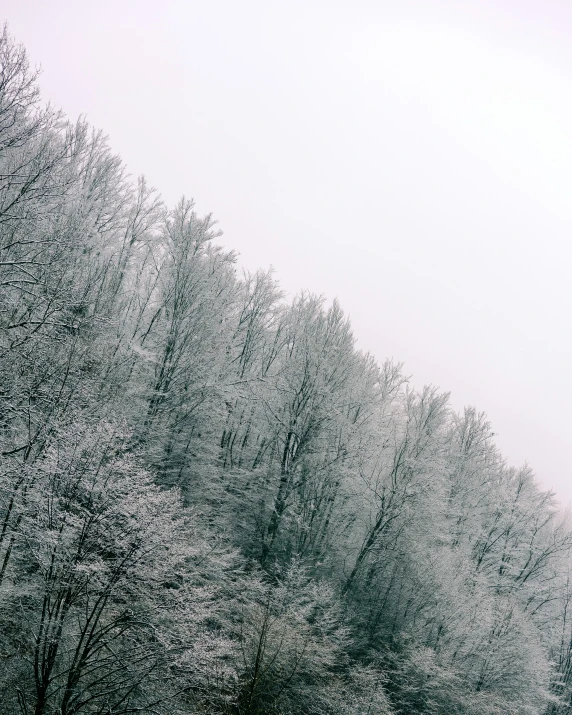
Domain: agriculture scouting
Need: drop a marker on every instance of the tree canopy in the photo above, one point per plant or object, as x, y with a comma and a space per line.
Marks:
212, 502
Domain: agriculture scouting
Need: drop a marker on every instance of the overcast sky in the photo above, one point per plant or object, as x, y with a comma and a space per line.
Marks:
413, 159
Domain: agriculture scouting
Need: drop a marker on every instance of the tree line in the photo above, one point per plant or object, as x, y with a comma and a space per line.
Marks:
212, 502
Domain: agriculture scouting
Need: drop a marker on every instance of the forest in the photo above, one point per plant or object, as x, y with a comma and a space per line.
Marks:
212, 502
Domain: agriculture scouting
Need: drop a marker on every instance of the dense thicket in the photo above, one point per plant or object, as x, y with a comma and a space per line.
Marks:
212, 502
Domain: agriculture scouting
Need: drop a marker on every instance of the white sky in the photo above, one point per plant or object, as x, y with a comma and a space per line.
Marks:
412, 158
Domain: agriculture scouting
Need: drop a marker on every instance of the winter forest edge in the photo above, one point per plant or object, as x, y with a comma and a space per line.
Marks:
212, 502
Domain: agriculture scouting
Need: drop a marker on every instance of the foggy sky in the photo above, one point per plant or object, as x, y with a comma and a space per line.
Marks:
411, 158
